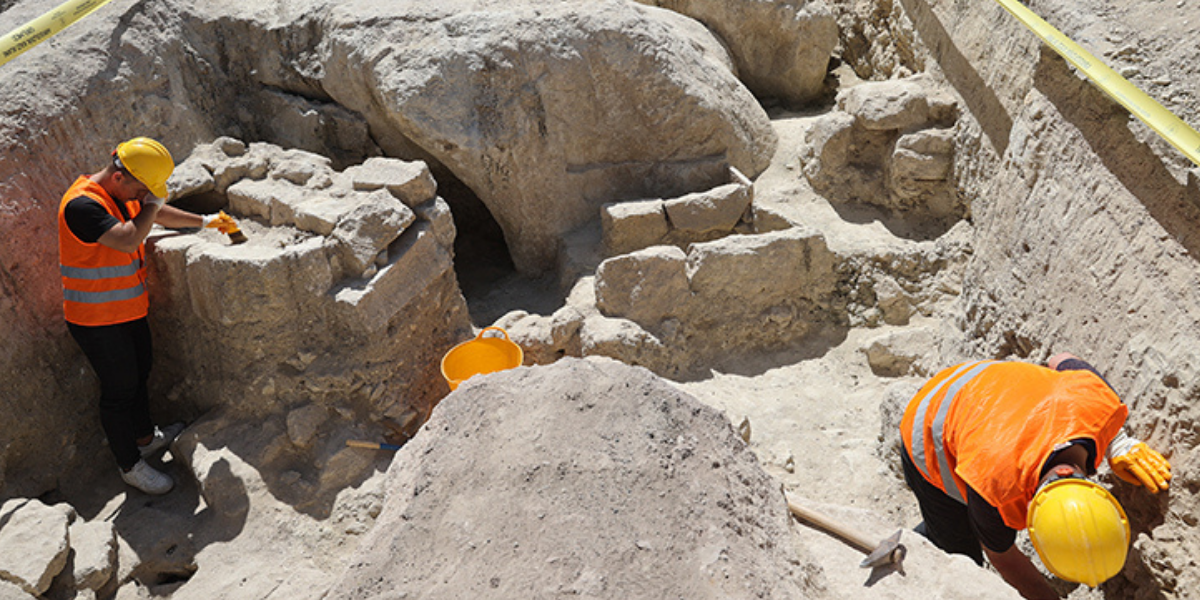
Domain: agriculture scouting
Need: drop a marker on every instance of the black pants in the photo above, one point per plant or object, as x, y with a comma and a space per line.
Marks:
121, 357
947, 523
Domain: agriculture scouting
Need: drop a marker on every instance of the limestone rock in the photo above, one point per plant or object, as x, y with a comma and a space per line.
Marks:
304, 422
369, 228
882, 105
781, 47
628, 342
688, 219
718, 209
94, 544
441, 220
36, 543
766, 288
630, 226
409, 181
890, 144
897, 354
758, 270
544, 340
646, 287
921, 171
483, 92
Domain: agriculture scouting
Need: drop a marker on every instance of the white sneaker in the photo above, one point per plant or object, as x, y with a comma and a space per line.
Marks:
162, 438
148, 479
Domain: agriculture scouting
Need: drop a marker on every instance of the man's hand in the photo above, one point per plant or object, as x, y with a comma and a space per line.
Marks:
1059, 358
1135, 462
221, 222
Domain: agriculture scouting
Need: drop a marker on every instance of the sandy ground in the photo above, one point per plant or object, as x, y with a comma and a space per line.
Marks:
815, 424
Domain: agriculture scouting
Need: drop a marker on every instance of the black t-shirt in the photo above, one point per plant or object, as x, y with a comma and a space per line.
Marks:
985, 519
87, 219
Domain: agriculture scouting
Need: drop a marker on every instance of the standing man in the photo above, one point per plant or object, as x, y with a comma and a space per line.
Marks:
103, 221
991, 448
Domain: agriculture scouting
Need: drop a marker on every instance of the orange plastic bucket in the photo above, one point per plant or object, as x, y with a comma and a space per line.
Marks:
480, 355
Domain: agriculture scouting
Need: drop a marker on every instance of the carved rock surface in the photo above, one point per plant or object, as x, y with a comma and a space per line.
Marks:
549, 109
781, 48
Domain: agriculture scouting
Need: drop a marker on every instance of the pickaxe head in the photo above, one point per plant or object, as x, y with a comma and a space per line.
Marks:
889, 552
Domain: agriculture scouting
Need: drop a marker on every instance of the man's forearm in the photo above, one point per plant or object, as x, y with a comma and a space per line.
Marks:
1019, 572
169, 216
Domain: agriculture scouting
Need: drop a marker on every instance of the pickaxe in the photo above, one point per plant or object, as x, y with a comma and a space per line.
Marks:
888, 552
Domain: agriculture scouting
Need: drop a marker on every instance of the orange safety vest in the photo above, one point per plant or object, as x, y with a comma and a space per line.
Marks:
992, 425
101, 285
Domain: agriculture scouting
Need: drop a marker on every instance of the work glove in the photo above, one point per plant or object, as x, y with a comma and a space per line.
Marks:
220, 221
1135, 462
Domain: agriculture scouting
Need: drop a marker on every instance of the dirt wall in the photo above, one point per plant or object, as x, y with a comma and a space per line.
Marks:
1086, 238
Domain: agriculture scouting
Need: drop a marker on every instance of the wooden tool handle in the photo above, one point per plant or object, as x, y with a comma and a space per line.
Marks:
857, 539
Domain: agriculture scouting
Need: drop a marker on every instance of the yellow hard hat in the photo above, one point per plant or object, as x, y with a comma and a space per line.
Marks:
148, 161
1079, 530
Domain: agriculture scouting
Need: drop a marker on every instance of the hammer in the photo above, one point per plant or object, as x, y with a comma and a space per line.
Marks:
888, 552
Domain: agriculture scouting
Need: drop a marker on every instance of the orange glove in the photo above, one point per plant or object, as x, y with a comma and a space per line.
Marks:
1135, 462
221, 221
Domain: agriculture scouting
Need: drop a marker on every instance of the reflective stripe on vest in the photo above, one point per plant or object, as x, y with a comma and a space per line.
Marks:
937, 428
102, 297
101, 285
101, 272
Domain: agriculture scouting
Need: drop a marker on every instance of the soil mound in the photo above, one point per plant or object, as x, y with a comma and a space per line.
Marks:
587, 477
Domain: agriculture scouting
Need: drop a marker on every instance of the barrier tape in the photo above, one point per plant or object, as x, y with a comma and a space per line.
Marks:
44, 27
1137, 102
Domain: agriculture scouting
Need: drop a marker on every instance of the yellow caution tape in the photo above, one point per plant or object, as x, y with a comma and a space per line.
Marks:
1161, 120
42, 28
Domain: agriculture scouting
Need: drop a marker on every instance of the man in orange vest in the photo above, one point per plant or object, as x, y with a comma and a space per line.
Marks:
991, 448
103, 221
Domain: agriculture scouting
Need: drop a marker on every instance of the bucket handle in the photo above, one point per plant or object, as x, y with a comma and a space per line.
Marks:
492, 328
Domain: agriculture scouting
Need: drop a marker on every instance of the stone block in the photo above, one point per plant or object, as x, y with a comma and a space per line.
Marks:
645, 287
95, 546
250, 165
718, 209
297, 170
321, 213
304, 422
257, 284
190, 178
370, 307
441, 220
35, 543
629, 226
368, 229
896, 104
271, 200
409, 181
925, 155
729, 274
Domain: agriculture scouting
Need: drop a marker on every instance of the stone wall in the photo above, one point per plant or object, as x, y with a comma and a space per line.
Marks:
515, 114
